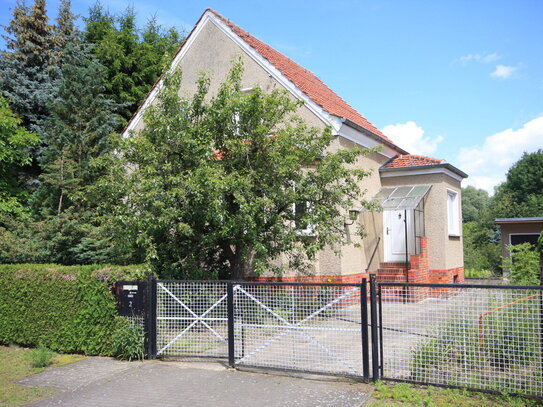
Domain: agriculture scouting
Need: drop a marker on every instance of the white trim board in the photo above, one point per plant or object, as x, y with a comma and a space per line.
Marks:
422, 171
210, 17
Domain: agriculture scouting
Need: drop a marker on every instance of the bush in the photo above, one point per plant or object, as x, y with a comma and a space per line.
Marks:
128, 339
523, 264
67, 309
41, 356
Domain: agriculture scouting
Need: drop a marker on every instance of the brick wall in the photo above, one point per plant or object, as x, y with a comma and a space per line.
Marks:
347, 279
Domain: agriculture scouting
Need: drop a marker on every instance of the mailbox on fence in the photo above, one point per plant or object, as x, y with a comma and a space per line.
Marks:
131, 298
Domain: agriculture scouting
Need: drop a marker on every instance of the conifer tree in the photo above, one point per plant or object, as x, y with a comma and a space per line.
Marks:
76, 132
133, 62
65, 29
27, 69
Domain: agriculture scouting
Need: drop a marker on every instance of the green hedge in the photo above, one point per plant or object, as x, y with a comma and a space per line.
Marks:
66, 308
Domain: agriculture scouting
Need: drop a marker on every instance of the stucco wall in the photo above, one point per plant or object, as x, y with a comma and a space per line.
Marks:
444, 251
212, 53
524, 228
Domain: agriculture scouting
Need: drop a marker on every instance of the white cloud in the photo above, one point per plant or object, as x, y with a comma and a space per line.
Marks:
410, 137
480, 58
487, 164
503, 71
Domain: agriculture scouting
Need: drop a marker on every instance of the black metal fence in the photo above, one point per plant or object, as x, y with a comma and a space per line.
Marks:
470, 336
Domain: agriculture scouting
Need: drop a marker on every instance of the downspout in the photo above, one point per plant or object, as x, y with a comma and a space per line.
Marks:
406, 292
406, 245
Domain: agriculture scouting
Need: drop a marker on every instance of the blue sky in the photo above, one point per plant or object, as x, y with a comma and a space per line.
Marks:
459, 80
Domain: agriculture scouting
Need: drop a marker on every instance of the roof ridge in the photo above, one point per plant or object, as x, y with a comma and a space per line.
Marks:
321, 94
424, 157
412, 160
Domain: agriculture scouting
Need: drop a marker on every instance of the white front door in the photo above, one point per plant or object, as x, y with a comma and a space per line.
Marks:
394, 232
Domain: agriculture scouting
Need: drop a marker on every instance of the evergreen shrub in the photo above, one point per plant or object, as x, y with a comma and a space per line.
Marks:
68, 309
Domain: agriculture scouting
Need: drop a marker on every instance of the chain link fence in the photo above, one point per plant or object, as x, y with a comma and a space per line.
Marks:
474, 337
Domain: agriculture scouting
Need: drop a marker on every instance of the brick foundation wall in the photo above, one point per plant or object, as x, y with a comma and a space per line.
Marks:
450, 276
393, 272
419, 272
346, 279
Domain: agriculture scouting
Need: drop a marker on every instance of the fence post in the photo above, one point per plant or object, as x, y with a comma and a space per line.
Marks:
230, 311
374, 330
364, 326
150, 317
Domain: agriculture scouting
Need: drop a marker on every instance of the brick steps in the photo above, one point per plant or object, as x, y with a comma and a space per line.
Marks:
391, 272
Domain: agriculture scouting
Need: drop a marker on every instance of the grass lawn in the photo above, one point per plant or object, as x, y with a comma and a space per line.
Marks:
15, 363
404, 394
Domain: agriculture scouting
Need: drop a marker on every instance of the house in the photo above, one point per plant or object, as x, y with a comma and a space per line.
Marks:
519, 230
417, 237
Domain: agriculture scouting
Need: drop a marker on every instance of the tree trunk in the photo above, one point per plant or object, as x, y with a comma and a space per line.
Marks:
243, 264
59, 208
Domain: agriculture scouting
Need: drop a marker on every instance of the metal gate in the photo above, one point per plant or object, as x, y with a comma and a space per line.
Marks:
319, 328
299, 326
191, 319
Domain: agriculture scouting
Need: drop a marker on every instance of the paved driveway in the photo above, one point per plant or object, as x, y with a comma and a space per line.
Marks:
104, 382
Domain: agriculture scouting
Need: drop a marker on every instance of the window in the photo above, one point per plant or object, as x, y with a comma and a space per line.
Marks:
301, 223
453, 214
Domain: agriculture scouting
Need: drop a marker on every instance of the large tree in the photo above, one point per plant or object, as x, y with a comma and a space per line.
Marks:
133, 60
209, 187
28, 67
521, 195
474, 203
76, 133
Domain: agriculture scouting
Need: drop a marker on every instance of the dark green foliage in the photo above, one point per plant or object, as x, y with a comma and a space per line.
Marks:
133, 61
67, 309
128, 340
76, 132
481, 241
70, 238
482, 250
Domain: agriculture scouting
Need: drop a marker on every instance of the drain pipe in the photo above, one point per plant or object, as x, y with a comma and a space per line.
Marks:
406, 292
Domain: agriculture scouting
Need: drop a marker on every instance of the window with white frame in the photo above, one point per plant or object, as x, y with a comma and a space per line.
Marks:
453, 213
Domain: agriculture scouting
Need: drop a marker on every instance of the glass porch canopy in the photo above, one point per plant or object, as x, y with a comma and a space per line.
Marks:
401, 198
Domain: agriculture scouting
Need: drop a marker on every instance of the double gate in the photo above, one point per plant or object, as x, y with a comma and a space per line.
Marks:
468, 336
319, 328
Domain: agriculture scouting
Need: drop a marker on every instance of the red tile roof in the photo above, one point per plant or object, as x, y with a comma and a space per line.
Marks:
412, 160
305, 80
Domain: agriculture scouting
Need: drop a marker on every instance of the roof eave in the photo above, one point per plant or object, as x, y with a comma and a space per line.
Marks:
518, 220
447, 166
355, 126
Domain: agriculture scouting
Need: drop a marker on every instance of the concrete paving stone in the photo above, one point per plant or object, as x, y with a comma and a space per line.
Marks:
156, 383
78, 374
